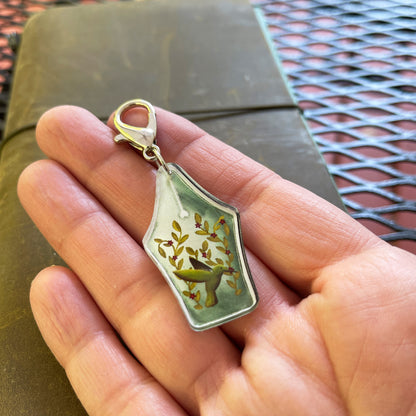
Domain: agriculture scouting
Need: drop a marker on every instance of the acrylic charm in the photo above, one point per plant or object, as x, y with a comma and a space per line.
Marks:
194, 239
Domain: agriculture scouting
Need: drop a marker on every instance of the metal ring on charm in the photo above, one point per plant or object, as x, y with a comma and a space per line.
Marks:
152, 154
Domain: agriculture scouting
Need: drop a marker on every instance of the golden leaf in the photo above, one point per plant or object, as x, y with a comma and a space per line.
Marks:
236, 275
206, 225
179, 251
225, 243
184, 238
231, 283
190, 251
220, 248
217, 227
180, 264
201, 232
186, 293
231, 257
198, 218
176, 226
161, 251
198, 296
172, 262
198, 306
205, 245
175, 236
158, 240
219, 261
238, 292
226, 229
192, 285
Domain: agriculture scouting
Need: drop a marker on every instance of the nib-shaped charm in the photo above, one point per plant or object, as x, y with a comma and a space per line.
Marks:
200, 254
191, 225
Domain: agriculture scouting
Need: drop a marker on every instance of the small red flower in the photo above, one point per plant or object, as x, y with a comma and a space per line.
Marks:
231, 270
197, 225
192, 296
227, 252
213, 235
204, 254
170, 243
222, 222
175, 258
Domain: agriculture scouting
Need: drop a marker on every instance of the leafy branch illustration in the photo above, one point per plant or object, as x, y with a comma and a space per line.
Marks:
222, 246
177, 247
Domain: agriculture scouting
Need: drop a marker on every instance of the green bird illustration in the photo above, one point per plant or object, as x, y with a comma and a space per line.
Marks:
202, 273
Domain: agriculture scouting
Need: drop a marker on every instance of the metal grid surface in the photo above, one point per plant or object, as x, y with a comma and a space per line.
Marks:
352, 68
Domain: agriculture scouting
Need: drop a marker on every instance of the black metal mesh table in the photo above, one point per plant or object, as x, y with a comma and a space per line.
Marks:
352, 69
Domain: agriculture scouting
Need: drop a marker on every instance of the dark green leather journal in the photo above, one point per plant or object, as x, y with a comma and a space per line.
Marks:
207, 60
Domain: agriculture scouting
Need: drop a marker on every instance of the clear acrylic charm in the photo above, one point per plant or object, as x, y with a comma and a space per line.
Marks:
195, 241
194, 238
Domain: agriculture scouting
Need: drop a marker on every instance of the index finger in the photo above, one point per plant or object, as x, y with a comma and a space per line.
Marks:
296, 233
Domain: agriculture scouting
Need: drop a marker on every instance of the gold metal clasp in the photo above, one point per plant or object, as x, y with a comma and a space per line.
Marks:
141, 138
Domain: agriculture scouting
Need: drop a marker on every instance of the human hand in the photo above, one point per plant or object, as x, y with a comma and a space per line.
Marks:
335, 329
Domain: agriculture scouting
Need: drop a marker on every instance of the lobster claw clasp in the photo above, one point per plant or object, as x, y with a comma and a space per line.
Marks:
139, 137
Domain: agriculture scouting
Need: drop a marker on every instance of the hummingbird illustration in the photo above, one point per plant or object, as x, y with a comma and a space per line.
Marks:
203, 273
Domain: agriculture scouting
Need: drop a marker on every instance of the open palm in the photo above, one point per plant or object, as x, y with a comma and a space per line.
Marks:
335, 329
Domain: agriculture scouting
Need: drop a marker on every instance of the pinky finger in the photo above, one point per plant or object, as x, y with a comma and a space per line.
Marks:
105, 377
